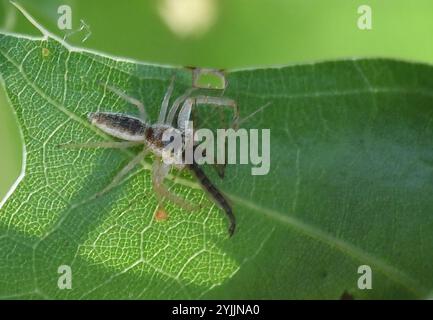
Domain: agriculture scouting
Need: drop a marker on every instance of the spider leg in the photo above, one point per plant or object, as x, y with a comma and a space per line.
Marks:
165, 101
216, 195
102, 144
221, 102
218, 102
176, 104
122, 173
219, 168
159, 172
184, 114
131, 100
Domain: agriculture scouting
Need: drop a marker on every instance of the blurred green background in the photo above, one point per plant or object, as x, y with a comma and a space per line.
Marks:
223, 34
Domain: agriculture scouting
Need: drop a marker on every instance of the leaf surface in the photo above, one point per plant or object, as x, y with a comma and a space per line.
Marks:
350, 184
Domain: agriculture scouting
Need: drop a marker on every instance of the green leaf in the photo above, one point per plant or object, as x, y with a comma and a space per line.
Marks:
350, 184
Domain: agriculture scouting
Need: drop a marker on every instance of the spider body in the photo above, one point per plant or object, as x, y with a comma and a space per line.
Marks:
134, 131
119, 125
129, 128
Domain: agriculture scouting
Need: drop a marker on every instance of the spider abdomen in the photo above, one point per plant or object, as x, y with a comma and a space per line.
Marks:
119, 125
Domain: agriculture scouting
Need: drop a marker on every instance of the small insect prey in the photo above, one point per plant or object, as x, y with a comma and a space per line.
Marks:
136, 131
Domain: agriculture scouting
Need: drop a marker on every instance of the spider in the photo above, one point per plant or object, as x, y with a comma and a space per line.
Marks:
136, 131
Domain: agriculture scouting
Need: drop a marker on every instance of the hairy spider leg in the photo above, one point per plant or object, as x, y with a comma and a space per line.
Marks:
165, 102
102, 144
176, 105
188, 102
215, 194
184, 115
125, 170
185, 111
220, 102
131, 100
159, 173
219, 168
113, 145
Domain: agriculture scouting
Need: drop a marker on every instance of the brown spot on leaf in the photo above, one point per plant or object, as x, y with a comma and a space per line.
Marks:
161, 214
